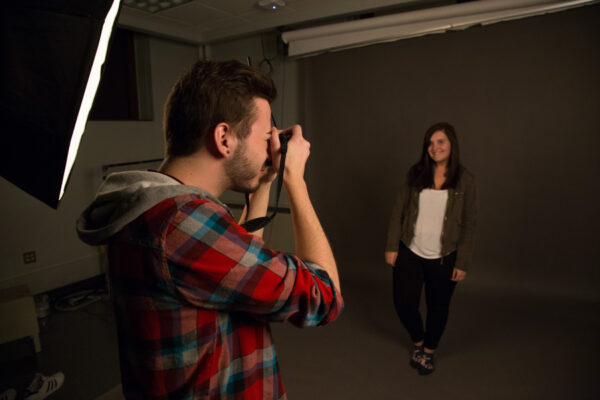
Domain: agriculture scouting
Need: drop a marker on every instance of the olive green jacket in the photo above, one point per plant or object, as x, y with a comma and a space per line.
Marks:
458, 232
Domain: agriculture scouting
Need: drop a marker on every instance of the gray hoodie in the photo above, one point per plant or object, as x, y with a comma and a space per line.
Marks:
123, 197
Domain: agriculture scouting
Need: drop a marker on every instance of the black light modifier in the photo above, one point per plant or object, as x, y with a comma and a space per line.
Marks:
52, 57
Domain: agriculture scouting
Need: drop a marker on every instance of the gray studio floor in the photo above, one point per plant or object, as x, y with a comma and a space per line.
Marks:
497, 346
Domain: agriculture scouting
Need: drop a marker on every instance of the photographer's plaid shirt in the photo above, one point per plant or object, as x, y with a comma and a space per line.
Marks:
194, 294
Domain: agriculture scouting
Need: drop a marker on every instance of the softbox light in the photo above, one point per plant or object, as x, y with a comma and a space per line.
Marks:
52, 55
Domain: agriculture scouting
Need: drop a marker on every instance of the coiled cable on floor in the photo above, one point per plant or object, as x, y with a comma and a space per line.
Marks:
79, 300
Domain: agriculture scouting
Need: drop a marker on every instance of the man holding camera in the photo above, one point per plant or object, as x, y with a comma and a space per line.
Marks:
193, 291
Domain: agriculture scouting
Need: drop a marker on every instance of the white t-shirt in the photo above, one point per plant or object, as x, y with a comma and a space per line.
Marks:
427, 241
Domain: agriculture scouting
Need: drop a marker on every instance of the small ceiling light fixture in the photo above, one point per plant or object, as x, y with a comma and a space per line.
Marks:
271, 5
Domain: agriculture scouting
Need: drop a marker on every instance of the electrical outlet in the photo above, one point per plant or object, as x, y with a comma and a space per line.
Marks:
29, 257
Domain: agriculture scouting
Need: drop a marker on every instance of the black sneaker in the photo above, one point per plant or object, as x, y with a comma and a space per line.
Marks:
415, 359
426, 365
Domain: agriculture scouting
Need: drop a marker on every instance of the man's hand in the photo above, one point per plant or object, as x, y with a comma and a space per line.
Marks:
268, 176
311, 244
458, 275
390, 257
298, 150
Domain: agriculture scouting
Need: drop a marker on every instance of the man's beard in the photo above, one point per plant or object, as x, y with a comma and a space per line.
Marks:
240, 171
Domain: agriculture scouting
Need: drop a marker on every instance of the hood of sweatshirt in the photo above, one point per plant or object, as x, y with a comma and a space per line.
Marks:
123, 197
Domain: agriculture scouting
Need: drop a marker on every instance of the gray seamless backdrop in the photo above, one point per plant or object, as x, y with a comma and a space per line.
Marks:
524, 98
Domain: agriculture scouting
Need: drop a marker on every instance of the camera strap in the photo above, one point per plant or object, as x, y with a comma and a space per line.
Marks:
258, 223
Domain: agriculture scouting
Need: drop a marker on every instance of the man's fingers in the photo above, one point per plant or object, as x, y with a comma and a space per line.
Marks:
275, 136
274, 149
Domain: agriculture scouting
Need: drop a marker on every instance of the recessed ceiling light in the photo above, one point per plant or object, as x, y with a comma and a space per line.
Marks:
271, 5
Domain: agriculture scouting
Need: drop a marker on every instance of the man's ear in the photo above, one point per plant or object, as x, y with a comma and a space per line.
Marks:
224, 139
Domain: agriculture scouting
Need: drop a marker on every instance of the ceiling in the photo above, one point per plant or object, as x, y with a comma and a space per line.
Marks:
206, 21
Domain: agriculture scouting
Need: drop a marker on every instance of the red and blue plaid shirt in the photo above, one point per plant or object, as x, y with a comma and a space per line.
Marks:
194, 294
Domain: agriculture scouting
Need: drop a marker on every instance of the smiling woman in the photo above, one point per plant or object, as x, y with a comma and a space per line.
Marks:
439, 147
430, 239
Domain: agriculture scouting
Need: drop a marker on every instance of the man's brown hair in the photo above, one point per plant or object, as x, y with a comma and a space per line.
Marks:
212, 92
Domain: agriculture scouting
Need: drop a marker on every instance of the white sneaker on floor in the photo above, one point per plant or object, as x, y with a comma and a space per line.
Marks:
43, 386
10, 394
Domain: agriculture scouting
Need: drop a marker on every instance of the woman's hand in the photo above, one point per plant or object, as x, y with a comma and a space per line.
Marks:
390, 257
458, 275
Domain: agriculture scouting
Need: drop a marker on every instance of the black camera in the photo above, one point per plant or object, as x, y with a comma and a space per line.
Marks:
283, 140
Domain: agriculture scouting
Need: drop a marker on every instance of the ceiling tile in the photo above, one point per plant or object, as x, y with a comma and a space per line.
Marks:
274, 18
235, 7
224, 24
193, 13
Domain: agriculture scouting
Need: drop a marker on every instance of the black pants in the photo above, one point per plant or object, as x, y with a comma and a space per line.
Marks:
410, 273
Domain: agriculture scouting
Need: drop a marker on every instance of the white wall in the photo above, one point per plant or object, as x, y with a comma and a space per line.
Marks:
28, 224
